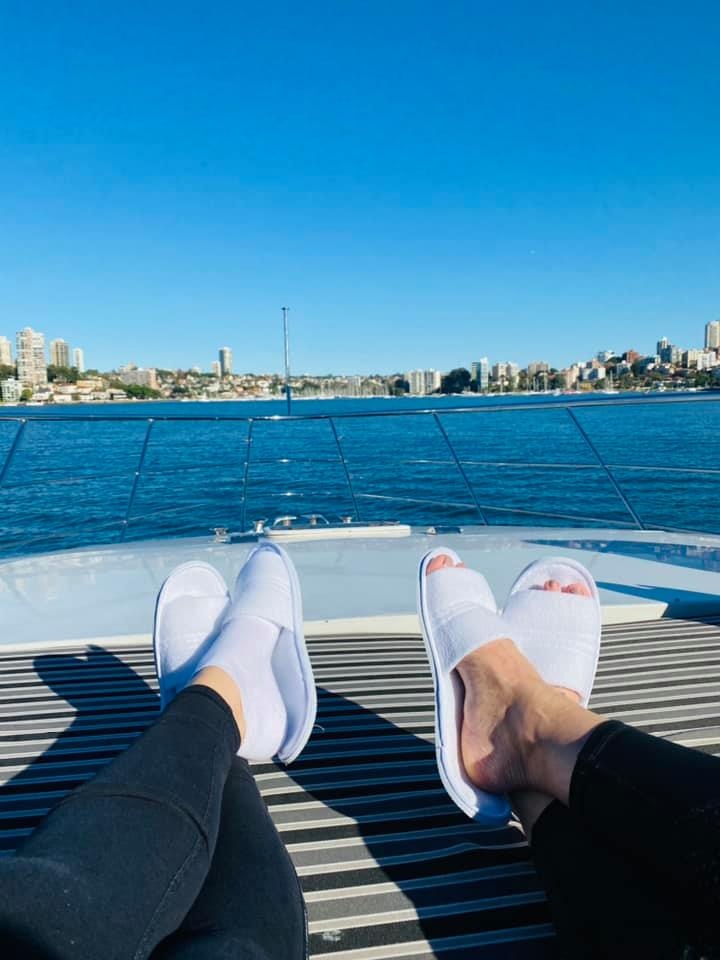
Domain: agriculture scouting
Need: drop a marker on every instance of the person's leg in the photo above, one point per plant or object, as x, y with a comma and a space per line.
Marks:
660, 802
520, 734
118, 864
653, 802
251, 904
602, 904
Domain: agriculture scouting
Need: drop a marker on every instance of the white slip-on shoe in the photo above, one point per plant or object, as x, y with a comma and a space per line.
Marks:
261, 645
558, 632
458, 614
190, 607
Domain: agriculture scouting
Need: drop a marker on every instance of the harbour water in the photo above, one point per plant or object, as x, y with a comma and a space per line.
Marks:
80, 475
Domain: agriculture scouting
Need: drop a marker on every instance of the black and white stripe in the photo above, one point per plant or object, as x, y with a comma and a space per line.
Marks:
389, 867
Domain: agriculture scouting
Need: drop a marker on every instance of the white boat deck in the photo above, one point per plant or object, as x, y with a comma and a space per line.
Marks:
99, 594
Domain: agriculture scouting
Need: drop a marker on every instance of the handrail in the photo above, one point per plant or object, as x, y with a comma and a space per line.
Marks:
136, 478
246, 476
439, 416
348, 478
11, 452
460, 467
608, 472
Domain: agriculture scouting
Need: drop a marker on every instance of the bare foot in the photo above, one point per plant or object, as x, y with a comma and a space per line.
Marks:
518, 732
499, 681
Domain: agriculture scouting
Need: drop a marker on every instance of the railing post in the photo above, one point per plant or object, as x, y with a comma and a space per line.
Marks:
246, 476
11, 451
345, 468
136, 479
459, 465
608, 472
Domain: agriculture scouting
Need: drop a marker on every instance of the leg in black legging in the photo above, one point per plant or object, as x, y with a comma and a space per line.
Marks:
657, 804
251, 905
603, 905
119, 863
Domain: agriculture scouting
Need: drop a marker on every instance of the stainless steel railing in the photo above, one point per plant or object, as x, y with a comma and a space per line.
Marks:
445, 439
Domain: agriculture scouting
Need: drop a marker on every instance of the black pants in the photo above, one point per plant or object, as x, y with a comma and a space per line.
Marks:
168, 853
632, 867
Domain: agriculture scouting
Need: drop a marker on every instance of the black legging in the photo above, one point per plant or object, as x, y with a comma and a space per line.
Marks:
632, 867
169, 852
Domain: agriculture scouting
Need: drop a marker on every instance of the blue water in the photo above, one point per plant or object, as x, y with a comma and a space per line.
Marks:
84, 474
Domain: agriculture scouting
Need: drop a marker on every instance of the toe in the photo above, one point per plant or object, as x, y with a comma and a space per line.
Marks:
553, 586
439, 562
579, 589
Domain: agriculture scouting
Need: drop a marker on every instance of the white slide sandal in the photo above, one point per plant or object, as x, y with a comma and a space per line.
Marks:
190, 607
458, 614
261, 645
558, 632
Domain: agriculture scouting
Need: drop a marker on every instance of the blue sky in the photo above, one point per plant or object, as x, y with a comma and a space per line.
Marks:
422, 183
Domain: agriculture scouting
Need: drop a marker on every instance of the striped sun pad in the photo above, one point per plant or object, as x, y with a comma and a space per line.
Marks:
389, 867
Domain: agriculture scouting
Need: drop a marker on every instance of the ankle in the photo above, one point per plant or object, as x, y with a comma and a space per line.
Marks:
223, 684
555, 729
528, 806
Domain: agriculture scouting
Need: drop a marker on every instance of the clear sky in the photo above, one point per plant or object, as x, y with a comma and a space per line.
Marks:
423, 183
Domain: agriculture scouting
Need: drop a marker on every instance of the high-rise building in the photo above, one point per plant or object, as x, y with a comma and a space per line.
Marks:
537, 366
480, 371
215, 368
423, 382
59, 353
591, 374
505, 372
416, 381
571, 375
30, 349
433, 380
707, 359
669, 352
225, 358
10, 390
140, 377
79, 359
712, 335
5, 352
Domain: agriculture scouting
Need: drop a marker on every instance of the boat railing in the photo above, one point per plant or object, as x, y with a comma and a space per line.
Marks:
638, 463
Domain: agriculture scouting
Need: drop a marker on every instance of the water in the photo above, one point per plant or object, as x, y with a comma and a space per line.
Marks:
78, 481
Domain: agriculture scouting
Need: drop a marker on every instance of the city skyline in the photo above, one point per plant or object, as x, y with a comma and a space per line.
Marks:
56, 382
223, 363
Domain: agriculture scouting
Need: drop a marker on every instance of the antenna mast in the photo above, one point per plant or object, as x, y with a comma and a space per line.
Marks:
285, 312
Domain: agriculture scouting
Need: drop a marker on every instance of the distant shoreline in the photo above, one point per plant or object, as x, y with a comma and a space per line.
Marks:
326, 397
26, 409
